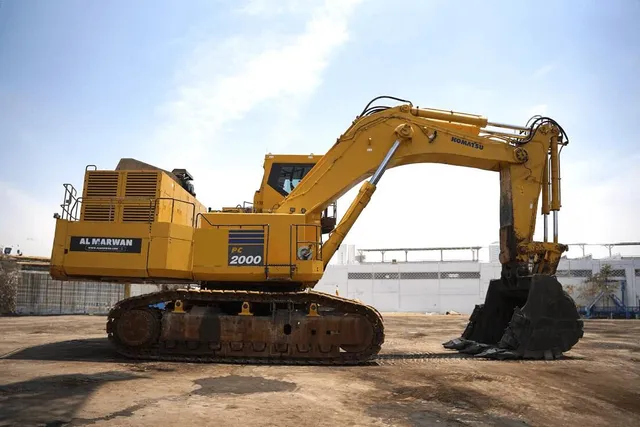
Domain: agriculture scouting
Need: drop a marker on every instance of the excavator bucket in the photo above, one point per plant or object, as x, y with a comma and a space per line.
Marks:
536, 319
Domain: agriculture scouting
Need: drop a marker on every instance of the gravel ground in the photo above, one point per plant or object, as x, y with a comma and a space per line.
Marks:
58, 371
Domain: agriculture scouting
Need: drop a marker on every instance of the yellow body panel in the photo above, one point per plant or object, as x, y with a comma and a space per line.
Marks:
142, 226
223, 253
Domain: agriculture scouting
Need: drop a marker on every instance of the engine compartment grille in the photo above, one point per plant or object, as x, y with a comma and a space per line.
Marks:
102, 184
141, 184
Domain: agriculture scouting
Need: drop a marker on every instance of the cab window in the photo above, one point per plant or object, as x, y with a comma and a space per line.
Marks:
284, 177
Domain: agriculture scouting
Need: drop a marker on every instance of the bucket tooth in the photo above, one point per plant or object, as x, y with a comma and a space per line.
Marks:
535, 319
457, 344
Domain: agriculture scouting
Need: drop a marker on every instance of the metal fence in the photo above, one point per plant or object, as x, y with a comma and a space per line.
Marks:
38, 293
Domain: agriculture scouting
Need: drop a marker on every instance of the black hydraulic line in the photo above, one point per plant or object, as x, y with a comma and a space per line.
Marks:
383, 97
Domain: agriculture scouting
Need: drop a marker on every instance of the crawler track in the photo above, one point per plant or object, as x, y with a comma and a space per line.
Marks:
256, 339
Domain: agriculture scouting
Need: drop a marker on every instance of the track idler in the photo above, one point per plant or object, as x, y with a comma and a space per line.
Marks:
535, 319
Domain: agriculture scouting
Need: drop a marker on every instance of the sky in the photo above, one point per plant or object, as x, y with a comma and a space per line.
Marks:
212, 86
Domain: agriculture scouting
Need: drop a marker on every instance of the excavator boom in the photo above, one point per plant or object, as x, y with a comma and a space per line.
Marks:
255, 265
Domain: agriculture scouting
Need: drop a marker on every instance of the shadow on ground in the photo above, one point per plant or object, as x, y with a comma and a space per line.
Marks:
84, 350
100, 350
53, 400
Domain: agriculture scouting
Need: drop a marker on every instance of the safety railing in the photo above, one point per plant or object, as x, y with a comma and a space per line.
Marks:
245, 205
609, 312
173, 204
72, 204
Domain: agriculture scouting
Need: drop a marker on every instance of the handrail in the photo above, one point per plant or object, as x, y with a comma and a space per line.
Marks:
76, 206
173, 200
70, 209
205, 218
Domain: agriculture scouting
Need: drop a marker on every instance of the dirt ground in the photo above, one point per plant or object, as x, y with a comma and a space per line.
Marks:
58, 371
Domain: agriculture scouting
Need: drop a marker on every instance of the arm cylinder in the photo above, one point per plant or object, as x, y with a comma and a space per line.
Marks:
545, 198
555, 185
545, 188
555, 175
450, 116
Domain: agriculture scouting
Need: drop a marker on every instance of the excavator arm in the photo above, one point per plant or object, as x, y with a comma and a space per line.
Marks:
405, 135
526, 312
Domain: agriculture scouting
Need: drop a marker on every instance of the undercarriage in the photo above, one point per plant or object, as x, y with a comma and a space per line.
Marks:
534, 320
305, 327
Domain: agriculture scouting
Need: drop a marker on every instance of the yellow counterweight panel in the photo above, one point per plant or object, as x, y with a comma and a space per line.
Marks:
56, 268
94, 249
97, 249
170, 251
134, 224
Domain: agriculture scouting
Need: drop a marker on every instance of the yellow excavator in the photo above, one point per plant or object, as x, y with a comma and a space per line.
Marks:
255, 264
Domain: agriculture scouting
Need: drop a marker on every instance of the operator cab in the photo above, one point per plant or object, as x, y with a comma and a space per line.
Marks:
282, 173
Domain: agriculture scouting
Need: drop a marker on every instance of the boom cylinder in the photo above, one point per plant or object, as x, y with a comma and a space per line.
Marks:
350, 216
383, 165
356, 207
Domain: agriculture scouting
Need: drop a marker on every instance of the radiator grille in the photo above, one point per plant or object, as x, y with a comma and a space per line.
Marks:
98, 212
102, 184
138, 213
141, 184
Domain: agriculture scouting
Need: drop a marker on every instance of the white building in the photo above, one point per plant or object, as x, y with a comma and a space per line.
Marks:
440, 286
